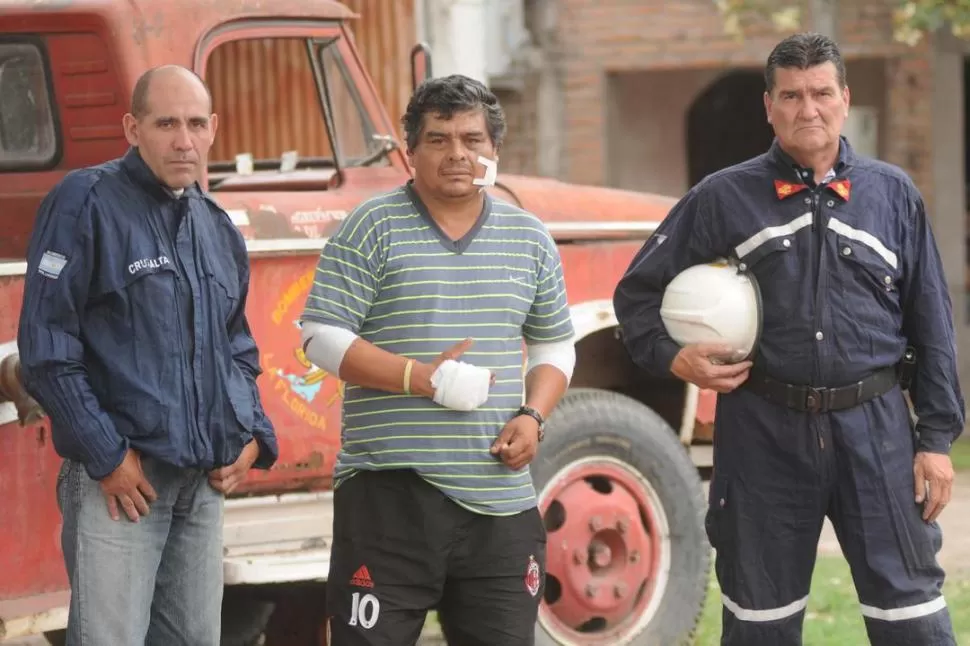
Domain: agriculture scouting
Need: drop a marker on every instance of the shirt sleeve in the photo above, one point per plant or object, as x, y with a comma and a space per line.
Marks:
928, 327
348, 274
60, 258
682, 240
245, 354
549, 319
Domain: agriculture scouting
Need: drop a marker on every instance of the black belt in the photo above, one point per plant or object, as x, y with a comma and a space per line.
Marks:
810, 399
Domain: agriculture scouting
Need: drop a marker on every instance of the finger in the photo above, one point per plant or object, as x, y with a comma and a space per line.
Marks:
919, 482
522, 460
129, 506
947, 492
724, 386
727, 370
140, 503
147, 490
458, 349
515, 451
233, 483
943, 498
713, 349
932, 508
503, 439
112, 507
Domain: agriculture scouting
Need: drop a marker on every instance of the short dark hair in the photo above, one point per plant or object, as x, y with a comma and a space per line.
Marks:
446, 96
803, 51
139, 94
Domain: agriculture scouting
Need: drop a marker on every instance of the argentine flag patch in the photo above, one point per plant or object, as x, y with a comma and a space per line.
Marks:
51, 264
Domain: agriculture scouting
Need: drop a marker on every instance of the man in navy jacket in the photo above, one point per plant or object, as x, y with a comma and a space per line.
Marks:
817, 424
133, 337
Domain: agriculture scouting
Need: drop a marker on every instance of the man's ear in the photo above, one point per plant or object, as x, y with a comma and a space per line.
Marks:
130, 125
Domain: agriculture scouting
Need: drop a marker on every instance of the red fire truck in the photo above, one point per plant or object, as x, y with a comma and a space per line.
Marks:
619, 472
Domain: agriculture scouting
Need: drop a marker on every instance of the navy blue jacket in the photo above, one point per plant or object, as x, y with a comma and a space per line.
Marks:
846, 280
133, 329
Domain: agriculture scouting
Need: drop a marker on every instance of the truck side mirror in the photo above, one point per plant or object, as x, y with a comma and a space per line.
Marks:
420, 64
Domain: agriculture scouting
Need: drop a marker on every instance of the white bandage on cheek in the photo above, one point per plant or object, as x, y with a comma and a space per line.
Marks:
561, 355
326, 345
491, 172
460, 386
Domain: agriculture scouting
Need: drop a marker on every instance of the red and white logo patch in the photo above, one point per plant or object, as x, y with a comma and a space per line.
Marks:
533, 578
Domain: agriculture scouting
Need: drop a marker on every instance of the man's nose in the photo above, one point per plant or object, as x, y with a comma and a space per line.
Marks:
809, 110
457, 150
182, 139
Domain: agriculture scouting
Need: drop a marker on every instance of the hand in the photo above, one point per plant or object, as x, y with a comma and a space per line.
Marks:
127, 485
705, 365
518, 442
935, 470
228, 478
421, 373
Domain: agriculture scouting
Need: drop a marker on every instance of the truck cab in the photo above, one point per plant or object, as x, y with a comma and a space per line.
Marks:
304, 137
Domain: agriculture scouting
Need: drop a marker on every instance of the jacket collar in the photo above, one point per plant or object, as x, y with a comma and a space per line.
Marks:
791, 170
139, 171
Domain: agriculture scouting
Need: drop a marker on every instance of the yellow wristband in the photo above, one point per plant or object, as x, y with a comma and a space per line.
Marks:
407, 376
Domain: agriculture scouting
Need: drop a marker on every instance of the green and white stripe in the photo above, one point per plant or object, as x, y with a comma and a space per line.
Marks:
389, 276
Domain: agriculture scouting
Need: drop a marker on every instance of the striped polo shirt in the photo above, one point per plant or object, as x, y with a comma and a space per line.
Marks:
392, 276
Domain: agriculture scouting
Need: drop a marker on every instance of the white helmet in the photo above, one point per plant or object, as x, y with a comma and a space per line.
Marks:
714, 303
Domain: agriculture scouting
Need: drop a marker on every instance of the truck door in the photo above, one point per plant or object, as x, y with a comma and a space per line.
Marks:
302, 140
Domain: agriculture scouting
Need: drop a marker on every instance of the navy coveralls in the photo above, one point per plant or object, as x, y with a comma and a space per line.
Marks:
846, 281
133, 330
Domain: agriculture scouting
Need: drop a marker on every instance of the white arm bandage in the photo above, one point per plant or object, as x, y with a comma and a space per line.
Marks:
326, 345
460, 386
561, 354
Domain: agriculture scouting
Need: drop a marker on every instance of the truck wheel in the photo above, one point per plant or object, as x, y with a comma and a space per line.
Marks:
627, 558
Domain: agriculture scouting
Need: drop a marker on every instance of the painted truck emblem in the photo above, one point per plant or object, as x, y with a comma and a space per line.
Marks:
298, 383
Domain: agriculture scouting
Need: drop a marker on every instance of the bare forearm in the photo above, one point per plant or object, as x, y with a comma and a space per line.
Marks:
369, 366
544, 387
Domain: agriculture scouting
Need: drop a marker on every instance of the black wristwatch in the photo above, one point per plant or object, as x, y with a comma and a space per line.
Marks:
537, 416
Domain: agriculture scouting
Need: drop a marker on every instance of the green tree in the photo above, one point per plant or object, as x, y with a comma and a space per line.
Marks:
912, 20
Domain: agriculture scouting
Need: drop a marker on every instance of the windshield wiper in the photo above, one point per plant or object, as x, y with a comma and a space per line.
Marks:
388, 145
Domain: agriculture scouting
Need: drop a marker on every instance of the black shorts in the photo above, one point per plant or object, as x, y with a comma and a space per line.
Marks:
401, 548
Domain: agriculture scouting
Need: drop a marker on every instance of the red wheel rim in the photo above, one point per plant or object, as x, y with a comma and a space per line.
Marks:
607, 555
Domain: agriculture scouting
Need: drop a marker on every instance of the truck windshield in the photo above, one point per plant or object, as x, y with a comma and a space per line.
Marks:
286, 106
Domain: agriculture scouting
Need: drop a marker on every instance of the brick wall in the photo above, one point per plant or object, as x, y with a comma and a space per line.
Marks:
520, 149
602, 36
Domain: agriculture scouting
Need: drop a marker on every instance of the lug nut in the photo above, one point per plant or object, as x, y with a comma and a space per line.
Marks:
596, 523
622, 525
579, 556
619, 590
634, 556
590, 590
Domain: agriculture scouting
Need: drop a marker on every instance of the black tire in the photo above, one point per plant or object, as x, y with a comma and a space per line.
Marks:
590, 424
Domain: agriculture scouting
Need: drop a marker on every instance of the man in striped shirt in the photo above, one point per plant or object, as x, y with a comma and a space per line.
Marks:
421, 303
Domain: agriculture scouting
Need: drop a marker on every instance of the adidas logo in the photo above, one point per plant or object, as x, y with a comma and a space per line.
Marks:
361, 578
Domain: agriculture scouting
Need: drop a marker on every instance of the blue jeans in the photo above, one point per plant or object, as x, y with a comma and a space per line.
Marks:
151, 583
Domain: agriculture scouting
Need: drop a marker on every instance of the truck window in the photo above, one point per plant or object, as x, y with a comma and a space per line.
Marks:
270, 94
28, 137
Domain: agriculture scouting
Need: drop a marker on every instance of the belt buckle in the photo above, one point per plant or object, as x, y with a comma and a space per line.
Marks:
814, 399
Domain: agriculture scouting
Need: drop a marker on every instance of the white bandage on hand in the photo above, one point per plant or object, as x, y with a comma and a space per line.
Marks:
460, 386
